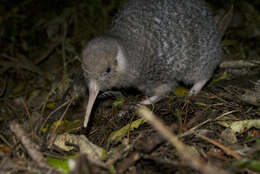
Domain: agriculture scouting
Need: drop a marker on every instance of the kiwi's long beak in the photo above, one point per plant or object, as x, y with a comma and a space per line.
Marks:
93, 92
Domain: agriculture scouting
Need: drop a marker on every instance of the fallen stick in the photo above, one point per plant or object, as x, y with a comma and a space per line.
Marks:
192, 159
31, 147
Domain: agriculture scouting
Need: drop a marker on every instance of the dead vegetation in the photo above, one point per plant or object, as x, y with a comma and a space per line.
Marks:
43, 99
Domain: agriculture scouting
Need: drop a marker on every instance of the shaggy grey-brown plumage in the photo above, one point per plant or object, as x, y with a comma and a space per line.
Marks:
153, 45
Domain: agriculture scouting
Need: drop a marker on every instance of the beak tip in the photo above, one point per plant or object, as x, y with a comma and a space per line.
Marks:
86, 120
85, 124
93, 92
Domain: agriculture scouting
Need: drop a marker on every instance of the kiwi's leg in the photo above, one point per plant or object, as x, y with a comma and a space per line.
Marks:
197, 87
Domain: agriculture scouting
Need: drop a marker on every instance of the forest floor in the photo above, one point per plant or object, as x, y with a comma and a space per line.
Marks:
43, 99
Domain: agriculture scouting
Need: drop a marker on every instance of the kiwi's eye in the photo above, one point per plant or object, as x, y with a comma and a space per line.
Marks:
108, 69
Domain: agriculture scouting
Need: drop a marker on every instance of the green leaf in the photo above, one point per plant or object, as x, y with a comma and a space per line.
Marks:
250, 164
222, 77
119, 101
228, 42
65, 126
60, 164
241, 126
181, 91
119, 134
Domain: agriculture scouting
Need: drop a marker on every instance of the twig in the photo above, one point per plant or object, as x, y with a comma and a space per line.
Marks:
59, 121
29, 117
192, 159
47, 53
22, 62
239, 64
224, 148
128, 162
193, 129
118, 155
84, 164
31, 147
147, 144
129, 129
53, 112
3, 87
65, 31
5, 141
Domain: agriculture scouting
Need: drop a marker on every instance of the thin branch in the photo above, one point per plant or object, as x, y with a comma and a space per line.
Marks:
192, 159
29, 117
30, 146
